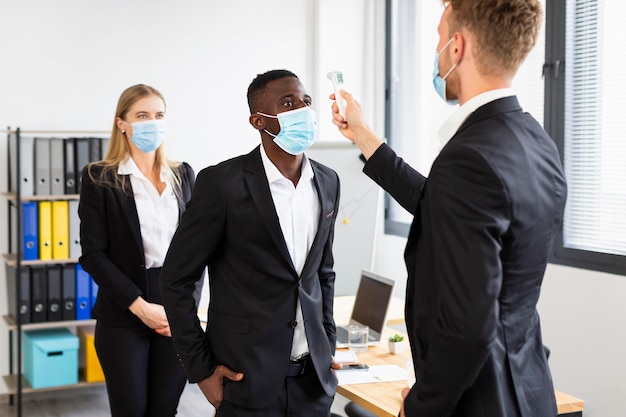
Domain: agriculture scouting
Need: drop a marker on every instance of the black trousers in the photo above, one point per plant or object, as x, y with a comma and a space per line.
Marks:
143, 375
301, 396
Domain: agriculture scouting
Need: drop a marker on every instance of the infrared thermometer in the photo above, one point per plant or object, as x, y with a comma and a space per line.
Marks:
336, 78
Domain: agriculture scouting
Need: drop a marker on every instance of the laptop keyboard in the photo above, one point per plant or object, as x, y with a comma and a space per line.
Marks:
342, 334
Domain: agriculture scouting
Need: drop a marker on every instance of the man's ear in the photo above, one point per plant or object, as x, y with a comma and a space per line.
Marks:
459, 47
257, 121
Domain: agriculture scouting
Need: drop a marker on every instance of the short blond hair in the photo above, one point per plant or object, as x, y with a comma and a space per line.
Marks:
505, 31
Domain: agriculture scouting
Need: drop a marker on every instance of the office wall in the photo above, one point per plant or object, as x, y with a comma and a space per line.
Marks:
65, 63
582, 318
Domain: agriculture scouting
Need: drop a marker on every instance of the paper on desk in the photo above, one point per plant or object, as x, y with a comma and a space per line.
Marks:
379, 373
345, 356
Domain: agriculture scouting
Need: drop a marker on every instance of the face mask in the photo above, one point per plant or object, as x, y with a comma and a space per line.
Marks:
148, 135
439, 82
297, 130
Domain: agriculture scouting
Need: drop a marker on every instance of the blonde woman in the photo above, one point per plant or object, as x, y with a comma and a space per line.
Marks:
130, 205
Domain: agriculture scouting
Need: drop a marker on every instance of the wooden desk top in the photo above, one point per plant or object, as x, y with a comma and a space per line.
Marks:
384, 398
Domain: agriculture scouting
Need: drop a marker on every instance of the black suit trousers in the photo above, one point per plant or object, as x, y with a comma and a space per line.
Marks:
142, 372
300, 396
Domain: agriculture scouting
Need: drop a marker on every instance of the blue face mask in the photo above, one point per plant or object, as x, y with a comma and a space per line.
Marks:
297, 130
439, 82
148, 134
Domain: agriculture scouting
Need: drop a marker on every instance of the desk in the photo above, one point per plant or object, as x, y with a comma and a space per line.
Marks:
384, 399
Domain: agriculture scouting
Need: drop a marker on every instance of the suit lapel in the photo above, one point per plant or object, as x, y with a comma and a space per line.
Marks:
129, 209
259, 188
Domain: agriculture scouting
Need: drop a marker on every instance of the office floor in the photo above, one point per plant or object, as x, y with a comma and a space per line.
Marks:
92, 402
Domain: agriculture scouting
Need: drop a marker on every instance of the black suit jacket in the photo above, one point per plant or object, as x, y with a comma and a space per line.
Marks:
484, 221
112, 249
231, 227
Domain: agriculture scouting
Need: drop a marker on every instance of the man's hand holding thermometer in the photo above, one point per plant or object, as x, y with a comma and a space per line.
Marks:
336, 78
355, 129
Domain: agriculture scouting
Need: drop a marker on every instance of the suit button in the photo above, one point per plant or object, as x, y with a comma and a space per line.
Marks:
299, 283
293, 324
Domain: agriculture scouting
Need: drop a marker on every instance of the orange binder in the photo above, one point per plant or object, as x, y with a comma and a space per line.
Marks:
45, 230
60, 230
93, 369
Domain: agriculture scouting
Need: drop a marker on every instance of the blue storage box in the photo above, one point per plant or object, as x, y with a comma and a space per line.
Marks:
50, 357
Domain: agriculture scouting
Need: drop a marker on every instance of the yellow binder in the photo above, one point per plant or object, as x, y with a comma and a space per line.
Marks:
60, 230
45, 230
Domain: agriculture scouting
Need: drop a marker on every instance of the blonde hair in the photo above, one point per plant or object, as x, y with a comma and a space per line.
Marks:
505, 30
119, 151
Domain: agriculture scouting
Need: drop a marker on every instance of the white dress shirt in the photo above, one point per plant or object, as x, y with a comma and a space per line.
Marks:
452, 124
158, 214
298, 209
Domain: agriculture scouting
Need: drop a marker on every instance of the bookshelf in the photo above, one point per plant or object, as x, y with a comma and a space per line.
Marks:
31, 155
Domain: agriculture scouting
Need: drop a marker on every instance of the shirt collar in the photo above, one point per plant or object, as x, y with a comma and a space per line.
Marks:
273, 174
454, 122
129, 167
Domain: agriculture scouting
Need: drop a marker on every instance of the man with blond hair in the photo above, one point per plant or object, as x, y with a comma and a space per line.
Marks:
484, 221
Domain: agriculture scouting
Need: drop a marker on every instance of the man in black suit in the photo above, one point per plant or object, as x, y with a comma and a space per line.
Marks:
484, 221
263, 224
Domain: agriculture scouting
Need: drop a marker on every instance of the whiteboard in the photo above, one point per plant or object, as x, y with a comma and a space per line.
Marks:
356, 221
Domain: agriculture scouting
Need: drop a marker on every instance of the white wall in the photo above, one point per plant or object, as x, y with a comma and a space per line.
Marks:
65, 63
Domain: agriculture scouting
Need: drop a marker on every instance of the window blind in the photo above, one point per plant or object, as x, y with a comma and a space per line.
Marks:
594, 128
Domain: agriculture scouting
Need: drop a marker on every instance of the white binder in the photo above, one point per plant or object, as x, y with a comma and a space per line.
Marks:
42, 166
26, 175
74, 238
57, 167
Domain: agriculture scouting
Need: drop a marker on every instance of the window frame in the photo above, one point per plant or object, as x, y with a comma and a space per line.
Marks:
554, 121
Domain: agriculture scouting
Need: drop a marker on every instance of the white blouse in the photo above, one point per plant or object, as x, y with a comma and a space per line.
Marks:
158, 214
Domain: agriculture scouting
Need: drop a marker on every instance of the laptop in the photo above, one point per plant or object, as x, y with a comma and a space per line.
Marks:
370, 307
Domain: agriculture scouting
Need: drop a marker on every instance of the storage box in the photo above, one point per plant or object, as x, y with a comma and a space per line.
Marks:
93, 370
50, 357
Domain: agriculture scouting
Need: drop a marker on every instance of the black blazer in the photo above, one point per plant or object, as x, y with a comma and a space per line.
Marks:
112, 249
232, 227
484, 221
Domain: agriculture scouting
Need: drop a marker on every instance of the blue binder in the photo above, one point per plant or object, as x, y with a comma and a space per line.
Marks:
83, 294
30, 231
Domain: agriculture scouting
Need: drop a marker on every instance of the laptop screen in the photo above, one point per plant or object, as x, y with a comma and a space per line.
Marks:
372, 300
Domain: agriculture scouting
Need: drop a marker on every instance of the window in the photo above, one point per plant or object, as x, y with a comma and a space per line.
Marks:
575, 94
414, 112
585, 90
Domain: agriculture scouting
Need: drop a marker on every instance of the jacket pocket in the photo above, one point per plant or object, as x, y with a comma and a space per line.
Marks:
240, 325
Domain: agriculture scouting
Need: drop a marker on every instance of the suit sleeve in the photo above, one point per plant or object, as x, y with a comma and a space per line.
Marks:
188, 180
95, 241
190, 251
469, 209
396, 177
